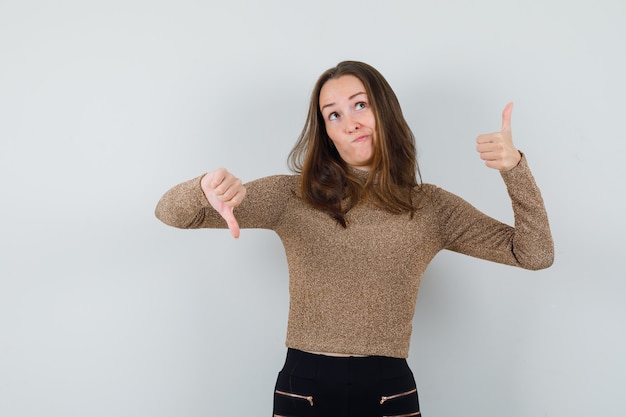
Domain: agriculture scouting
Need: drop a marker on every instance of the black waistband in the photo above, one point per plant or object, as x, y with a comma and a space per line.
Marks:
311, 365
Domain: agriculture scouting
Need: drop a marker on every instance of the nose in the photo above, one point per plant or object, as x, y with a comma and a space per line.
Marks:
352, 124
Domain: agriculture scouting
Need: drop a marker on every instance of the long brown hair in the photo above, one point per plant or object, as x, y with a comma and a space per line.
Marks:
326, 181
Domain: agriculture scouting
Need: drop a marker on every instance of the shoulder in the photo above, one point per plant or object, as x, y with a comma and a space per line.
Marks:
431, 195
426, 190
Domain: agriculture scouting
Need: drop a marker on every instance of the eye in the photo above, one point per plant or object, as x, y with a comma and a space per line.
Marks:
333, 116
360, 105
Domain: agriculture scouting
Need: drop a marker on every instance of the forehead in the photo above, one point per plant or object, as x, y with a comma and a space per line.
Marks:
340, 89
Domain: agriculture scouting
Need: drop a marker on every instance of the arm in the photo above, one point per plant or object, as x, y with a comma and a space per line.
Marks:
466, 230
209, 201
203, 202
529, 244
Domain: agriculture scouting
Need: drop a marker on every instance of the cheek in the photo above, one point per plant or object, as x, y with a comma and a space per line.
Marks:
331, 131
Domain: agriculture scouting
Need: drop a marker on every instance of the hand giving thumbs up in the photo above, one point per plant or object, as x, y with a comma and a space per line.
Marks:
497, 149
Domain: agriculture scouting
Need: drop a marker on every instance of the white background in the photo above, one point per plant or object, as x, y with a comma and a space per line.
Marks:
104, 105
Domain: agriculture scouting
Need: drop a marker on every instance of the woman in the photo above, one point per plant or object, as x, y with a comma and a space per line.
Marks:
359, 229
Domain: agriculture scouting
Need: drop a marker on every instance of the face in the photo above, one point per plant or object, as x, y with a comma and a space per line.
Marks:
349, 120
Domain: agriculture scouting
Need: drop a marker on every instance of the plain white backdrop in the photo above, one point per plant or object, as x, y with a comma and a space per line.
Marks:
104, 311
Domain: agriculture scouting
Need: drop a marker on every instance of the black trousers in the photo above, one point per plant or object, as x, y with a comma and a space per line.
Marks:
325, 386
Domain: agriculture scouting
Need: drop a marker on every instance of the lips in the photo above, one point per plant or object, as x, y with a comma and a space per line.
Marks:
361, 139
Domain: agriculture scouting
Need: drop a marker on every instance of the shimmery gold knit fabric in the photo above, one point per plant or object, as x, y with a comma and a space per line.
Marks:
353, 290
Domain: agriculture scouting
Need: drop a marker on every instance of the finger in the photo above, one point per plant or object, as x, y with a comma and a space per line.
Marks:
495, 143
490, 156
485, 145
217, 177
506, 117
486, 138
237, 198
228, 192
231, 221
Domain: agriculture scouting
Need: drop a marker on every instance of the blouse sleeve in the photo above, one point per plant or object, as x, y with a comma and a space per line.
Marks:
185, 206
466, 230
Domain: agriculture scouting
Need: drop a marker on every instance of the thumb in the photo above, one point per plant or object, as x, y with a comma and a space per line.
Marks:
506, 117
231, 221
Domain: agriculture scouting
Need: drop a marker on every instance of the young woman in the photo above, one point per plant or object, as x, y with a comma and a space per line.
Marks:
359, 229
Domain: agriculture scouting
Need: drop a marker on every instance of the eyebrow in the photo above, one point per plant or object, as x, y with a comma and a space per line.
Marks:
349, 98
